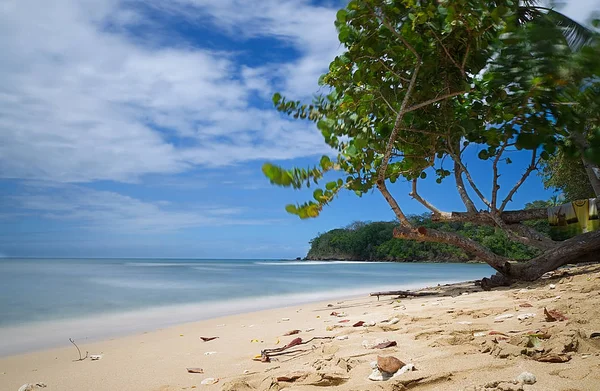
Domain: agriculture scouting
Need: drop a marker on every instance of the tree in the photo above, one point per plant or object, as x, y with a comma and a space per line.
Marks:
419, 84
567, 176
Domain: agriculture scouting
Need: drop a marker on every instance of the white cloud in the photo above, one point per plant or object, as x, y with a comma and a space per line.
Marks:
108, 211
80, 100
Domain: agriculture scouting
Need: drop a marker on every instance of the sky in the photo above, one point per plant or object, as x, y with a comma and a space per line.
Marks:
133, 128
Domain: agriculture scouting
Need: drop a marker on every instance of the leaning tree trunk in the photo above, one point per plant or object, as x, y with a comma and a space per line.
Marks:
582, 248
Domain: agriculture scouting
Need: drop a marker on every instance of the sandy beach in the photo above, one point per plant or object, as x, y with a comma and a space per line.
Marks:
461, 338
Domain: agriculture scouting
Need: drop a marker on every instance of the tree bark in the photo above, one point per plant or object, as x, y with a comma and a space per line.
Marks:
590, 170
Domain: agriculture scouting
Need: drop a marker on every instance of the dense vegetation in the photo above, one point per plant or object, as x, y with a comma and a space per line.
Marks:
374, 241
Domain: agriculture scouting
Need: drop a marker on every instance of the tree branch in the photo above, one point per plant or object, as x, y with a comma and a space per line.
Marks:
430, 101
472, 247
414, 194
495, 185
461, 69
531, 167
471, 181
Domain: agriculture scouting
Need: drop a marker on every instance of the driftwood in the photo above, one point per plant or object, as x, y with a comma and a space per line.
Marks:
266, 354
402, 294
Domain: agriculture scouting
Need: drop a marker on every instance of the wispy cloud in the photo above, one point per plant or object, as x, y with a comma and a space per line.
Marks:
110, 211
81, 99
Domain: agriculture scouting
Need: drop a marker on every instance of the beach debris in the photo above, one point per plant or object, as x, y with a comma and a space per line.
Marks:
553, 358
206, 339
292, 332
594, 335
526, 316
78, 351
96, 357
533, 342
194, 370
553, 315
285, 319
552, 286
32, 386
209, 353
404, 369
246, 371
209, 380
389, 364
526, 378
369, 324
254, 340
308, 330
377, 375
330, 305
358, 324
502, 318
384, 345
266, 353
344, 321
338, 314
394, 320
525, 305
341, 337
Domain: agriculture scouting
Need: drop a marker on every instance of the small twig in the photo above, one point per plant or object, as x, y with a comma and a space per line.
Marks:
78, 351
266, 353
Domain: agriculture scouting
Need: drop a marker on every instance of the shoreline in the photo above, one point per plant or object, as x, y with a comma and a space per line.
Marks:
446, 336
32, 337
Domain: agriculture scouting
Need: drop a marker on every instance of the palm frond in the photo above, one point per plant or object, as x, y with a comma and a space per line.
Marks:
576, 35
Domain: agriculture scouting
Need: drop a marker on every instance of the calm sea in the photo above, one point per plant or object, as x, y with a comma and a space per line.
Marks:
44, 300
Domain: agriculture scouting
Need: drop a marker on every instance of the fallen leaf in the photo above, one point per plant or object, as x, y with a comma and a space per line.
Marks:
289, 379
206, 339
292, 332
293, 342
344, 321
334, 314
553, 316
525, 305
195, 370
358, 324
554, 358
384, 345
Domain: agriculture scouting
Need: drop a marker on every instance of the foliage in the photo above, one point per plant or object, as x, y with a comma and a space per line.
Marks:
441, 77
375, 241
567, 176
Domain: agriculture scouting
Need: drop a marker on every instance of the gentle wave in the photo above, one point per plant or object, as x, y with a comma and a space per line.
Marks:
40, 335
313, 263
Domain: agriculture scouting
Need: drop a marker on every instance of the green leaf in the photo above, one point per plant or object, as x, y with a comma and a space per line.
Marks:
276, 98
341, 16
326, 162
331, 185
317, 194
423, 175
291, 208
483, 154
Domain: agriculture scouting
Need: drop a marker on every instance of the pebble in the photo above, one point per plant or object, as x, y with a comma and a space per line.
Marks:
526, 378
526, 316
394, 320
552, 286
389, 364
95, 357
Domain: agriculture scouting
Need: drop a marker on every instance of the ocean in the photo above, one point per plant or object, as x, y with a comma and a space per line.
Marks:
43, 302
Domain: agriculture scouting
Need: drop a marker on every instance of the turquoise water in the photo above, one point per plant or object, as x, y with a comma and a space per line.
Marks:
40, 293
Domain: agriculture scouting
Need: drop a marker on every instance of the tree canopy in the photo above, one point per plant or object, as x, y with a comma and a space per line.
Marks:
422, 81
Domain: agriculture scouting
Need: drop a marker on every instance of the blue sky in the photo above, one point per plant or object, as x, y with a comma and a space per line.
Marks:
134, 128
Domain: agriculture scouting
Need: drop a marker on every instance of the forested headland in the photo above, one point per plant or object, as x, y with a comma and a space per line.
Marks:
374, 241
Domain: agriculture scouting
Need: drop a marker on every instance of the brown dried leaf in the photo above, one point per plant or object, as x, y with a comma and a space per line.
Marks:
525, 305
195, 370
292, 332
293, 342
344, 321
384, 345
206, 339
358, 324
553, 316
554, 358
289, 379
